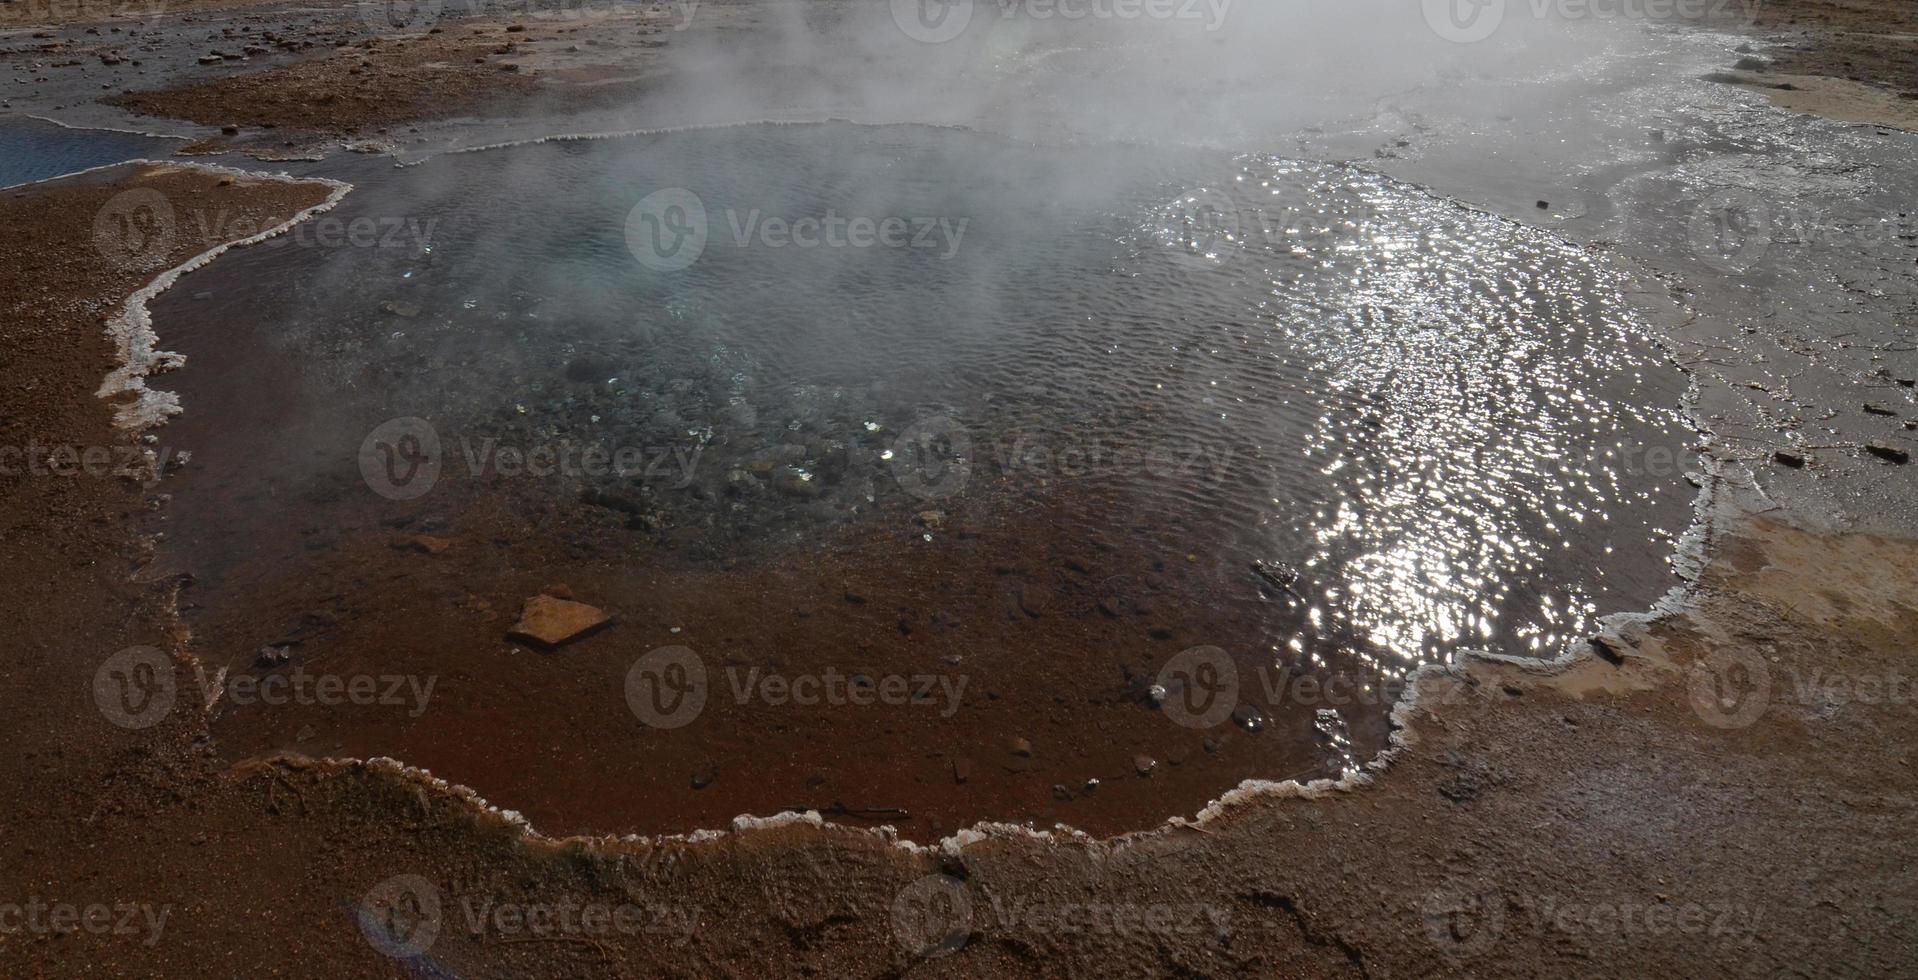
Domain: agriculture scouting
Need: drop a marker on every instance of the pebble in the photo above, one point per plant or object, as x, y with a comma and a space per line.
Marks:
550, 622
1022, 748
1248, 717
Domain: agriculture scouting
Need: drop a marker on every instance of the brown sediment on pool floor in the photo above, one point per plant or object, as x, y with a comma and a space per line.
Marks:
999, 671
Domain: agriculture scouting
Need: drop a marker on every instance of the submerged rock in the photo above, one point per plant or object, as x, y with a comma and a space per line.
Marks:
550, 622
423, 543
1278, 573
795, 482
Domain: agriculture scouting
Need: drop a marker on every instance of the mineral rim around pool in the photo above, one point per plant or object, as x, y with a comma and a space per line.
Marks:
929, 478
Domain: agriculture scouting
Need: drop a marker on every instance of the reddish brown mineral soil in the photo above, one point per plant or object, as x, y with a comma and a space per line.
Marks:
996, 631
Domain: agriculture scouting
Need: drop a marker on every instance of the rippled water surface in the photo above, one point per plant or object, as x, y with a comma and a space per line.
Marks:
1447, 424
34, 150
1436, 429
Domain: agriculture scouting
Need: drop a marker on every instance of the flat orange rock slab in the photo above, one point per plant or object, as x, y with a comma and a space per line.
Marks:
549, 621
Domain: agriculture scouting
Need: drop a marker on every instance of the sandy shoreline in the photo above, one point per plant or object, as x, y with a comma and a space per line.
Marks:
1518, 818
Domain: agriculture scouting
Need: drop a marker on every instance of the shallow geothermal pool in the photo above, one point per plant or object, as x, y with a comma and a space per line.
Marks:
1045, 425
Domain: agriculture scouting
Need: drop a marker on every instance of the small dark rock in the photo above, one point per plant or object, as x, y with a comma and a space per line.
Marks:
1248, 717
1605, 651
1890, 454
1792, 460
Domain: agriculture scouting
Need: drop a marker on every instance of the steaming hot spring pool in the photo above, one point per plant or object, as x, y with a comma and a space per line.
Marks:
930, 477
